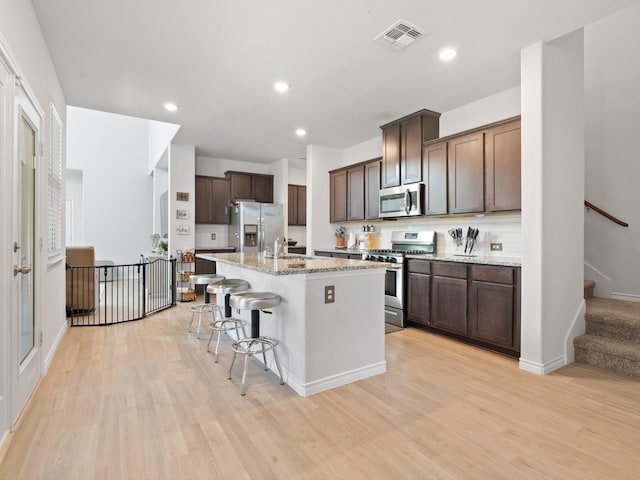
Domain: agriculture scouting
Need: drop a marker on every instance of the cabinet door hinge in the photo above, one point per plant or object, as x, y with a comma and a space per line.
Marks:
41, 337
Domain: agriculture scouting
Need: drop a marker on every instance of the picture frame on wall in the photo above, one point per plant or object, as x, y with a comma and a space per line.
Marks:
182, 214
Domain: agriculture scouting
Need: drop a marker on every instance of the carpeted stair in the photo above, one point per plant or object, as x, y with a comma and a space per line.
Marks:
612, 338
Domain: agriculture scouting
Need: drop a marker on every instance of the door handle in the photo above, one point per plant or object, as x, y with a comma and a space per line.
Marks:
407, 201
24, 269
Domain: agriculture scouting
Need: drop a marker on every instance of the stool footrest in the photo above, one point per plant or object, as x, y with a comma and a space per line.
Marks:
247, 346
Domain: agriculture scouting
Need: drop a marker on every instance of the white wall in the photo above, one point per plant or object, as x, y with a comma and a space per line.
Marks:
182, 170
160, 187
320, 160
22, 40
490, 109
74, 193
552, 197
160, 136
112, 152
612, 123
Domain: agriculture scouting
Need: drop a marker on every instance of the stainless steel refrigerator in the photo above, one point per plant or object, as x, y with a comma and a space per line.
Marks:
254, 226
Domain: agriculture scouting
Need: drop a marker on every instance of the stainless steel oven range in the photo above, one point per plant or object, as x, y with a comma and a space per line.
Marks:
402, 243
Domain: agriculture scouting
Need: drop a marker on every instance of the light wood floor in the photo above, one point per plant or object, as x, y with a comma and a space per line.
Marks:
144, 400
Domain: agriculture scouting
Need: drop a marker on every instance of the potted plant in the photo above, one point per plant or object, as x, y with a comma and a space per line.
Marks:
340, 241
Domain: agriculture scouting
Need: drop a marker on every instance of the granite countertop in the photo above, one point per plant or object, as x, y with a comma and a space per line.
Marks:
290, 264
445, 257
216, 248
479, 260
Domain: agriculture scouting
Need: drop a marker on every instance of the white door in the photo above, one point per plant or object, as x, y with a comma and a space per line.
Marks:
26, 352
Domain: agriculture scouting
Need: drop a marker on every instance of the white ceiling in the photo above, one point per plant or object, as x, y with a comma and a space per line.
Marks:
218, 60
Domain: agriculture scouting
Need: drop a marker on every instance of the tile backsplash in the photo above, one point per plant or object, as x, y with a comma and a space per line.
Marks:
505, 229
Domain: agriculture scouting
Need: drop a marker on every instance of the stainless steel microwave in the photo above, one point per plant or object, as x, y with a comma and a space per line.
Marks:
403, 201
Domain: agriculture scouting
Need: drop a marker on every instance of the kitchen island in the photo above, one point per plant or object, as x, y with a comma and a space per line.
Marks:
324, 342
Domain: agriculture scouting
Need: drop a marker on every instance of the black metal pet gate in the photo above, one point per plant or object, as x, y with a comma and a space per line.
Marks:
109, 294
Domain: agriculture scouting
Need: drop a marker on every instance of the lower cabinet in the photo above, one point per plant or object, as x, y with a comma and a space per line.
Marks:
478, 302
418, 291
494, 313
449, 304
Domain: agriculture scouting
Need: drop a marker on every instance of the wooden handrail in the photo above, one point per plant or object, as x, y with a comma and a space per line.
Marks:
605, 214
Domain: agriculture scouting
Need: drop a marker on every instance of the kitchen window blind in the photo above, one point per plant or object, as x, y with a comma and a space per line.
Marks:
55, 190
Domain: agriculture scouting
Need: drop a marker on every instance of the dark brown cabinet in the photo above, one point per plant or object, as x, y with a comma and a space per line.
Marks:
211, 200
371, 190
355, 193
391, 156
492, 306
297, 205
337, 196
478, 302
449, 297
411, 150
466, 173
256, 186
434, 174
402, 147
418, 291
502, 167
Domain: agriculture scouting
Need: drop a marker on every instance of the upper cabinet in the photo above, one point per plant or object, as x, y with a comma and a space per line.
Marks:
434, 175
475, 171
502, 167
371, 190
297, 205
256, 186
212, 199
354, 191
338, 196
402, 147
466, 173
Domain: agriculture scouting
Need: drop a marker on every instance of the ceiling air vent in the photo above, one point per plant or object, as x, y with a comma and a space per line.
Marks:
400, 35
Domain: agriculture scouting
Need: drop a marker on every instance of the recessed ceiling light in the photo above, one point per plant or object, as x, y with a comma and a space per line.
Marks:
301, 132
447, 54
170, 107
281, 86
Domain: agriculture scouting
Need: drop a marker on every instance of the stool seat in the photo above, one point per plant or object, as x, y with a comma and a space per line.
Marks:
228, 285
204, 279
254, 300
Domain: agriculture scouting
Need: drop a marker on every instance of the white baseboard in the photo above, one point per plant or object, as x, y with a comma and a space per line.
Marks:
625, 296
54, 347
327, 383
576, 329
543, 368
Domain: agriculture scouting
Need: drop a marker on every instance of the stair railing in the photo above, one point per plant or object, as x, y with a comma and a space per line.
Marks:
591, 206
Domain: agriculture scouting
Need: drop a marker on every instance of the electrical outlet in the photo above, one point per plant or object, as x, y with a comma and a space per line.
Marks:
496, 247
213, 236
329, 294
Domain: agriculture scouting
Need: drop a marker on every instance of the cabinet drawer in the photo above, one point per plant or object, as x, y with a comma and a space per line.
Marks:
484, 273
419, 266
455, 270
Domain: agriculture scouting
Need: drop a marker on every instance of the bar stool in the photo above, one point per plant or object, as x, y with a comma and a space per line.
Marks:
204, 279
226, 287
256, 344
203, 308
